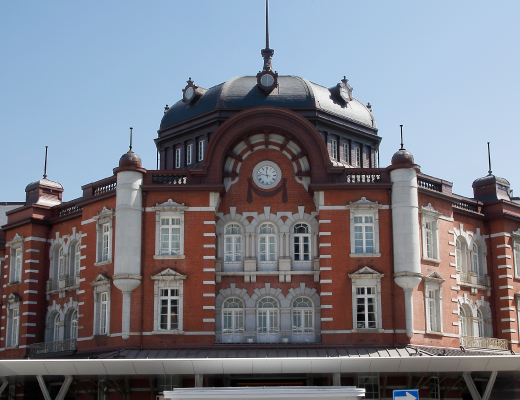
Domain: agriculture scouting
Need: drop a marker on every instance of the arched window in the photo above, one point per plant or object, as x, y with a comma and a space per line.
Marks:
71, 326
61, 262
232, 319
56, 328
302, 242
475, 259
302, 319
233, 243
481, 326
461, 255
267, 242
465, 322
268, 319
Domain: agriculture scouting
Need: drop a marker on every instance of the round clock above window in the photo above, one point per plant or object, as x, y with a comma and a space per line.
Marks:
192, 92
267, 174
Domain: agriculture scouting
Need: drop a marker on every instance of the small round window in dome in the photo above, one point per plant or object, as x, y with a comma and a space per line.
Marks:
267, 80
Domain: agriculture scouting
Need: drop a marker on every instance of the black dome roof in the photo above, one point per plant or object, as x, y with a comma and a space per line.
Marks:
293, 92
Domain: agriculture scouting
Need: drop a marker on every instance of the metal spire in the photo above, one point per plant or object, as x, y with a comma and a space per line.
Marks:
402, 147
45, 168
489, 160
130, 139
266, 24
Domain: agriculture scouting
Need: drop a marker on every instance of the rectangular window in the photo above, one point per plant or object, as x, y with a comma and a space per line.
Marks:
366, 307
201, 150
103, 313
105, 242
170, 236
432, 311
301, 248
189, 152
370, 382
267, 248
428, 230
364, 234
346, 155
15, 316
167, 383
334, 149
18, 265
358, 157
178, 158
435, 393
169, 309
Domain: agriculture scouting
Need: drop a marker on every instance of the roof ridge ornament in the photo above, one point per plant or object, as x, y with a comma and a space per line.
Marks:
45, 168
489, 160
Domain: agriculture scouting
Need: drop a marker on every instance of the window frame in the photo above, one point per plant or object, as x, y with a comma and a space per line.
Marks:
301, 236
104, 219
357, 157
202, 145
12, 336
271, 329
170, 299
169, 209
433, 285
189, 154
346, 154
516, 253
372, 379
174, 222
363, 208
430, 216
178, 156
168, 279
234, 236
334, 149
268, 236
101, 285
16, 246
367, 277
235, 313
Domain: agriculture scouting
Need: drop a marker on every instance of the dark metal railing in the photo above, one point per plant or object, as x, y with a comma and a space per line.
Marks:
68, 209
166, 179
53, 347
428, 184
466, 205
105, 187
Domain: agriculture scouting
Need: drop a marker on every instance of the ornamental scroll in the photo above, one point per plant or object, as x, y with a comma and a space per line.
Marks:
251, 189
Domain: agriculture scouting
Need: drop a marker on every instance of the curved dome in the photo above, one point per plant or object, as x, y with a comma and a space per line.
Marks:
293, 92
130, 159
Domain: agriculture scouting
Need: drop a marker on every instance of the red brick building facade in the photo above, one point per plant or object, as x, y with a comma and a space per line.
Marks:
270, 227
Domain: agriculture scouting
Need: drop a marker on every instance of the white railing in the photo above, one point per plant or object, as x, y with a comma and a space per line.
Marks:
474, 279
53, 347
52, 285
484, 342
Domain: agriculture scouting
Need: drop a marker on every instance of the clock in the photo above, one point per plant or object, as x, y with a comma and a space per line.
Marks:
188, 94
267, 174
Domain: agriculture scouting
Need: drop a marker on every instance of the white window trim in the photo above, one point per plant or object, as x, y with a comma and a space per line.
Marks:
312, 250
101, 284
177, 158
202, 144
13, 303
276, 244
189, 154
433, 282
242, 243
367, 277
334, 149
516, 241
364, 207
429, 214
168, 279
357, 157
14, 244
346, 155
106, 216
168, 209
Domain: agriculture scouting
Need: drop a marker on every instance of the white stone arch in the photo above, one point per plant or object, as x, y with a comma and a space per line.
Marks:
53, 310
312, 294
479, 240
469, 305
232, 291
276, 142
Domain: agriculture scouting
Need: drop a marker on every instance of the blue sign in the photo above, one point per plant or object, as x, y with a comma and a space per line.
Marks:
409, 394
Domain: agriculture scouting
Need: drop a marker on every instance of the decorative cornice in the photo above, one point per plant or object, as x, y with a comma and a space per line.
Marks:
13, 298
366, 273
104, 215
170, 205
101, 280
168, 275
363, 203
429, 210
433, 277
16, 241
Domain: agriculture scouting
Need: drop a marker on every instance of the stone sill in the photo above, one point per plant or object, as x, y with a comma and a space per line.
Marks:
279, 272
364, 255
60, 290
106, 335
103, 263
13, 283
167, 332
11, 347
370, 330
434, 333
181, 257
433, 260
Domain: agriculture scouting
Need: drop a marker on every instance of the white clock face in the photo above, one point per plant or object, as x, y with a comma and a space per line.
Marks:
267, 174
189, 93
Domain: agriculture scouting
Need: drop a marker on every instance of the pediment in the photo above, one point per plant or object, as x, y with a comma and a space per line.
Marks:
13, 298
515, 234
363, 203
366, 272
170, 205
101, 280
168, 274
104, 215
434, 276
430, 210
16, 240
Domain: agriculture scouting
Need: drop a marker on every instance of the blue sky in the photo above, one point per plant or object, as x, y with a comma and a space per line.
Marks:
75, 75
